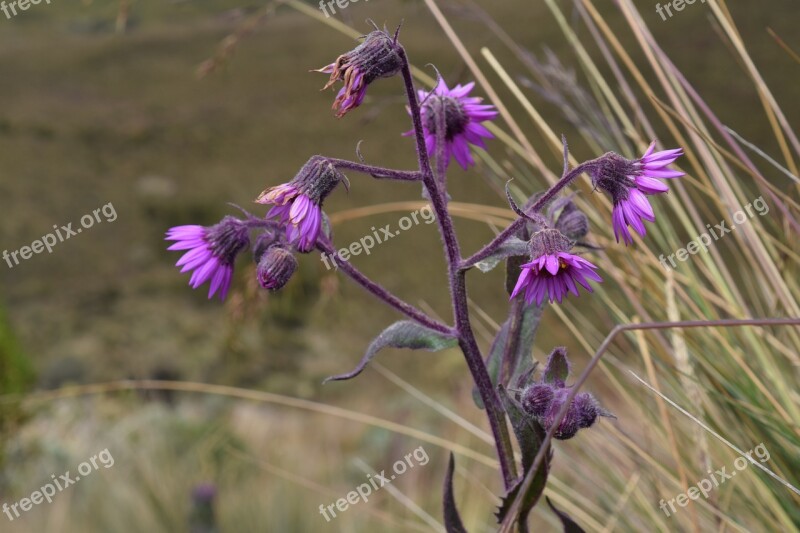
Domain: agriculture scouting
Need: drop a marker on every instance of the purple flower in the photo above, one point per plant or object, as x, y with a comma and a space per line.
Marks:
377, 57
553, 272
461, 115
629, 181
275, 268
211, 252
298, 204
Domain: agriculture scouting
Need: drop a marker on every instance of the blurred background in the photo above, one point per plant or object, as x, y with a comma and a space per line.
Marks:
171, 110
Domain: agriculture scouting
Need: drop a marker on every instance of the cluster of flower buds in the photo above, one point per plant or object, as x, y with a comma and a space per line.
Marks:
545, 399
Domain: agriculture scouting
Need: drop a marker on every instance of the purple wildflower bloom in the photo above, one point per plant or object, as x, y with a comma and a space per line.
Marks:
462, 119
629, 181
553, 276
211, 252
553, 272
298, 204
302, 217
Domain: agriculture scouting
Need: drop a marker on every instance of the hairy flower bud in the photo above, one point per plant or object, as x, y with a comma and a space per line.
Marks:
587, 409
276, 268
537, 398
549, 242
572, 222
377, 57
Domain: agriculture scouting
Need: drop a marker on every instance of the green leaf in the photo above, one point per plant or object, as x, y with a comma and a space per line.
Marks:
557, 367
452, 520
530, 435
493, 362
403, 334
521, 360
513, 247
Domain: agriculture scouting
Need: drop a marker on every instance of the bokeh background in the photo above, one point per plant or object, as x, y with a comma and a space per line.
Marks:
103, 104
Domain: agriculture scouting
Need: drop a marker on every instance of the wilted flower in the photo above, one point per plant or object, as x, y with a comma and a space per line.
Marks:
462, 120
298, 204
628, 181
275, 268
377, 57
553, 271
543, 400
212, 252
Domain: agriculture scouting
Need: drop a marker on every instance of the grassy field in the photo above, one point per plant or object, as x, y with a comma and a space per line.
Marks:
90, 116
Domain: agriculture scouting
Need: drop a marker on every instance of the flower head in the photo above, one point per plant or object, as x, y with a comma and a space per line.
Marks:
275, 267
553, 272
628, 181
211, 252
568, 219
377, 57
461, 117
544, 399
298, 203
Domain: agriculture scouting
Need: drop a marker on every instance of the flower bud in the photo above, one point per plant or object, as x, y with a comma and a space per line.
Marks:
586, 408
537, 398
549, 242
275, 268
572, 222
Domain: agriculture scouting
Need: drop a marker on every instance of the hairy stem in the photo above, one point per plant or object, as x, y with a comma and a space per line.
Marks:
383, 294
377, 172
466, 338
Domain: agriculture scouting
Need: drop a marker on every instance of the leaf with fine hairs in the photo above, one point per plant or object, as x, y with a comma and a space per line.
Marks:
403, 334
